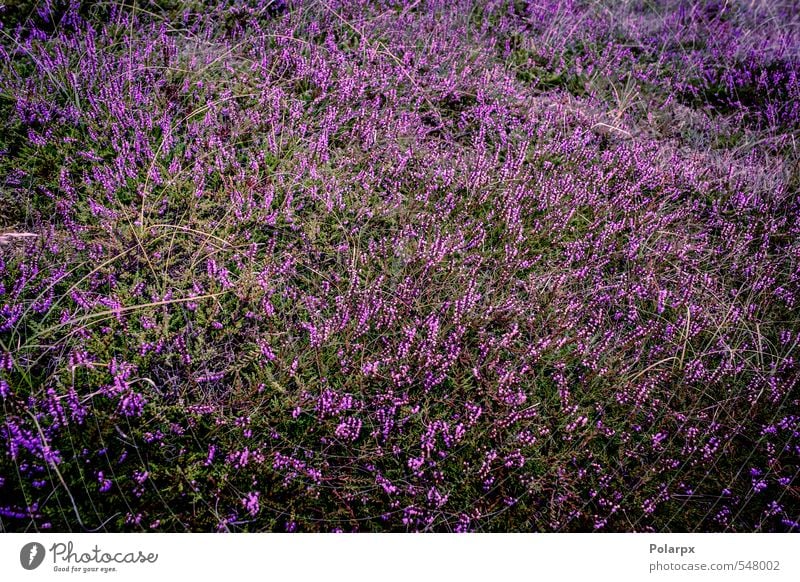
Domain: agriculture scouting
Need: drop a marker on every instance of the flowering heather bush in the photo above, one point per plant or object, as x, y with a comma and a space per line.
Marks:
434, 265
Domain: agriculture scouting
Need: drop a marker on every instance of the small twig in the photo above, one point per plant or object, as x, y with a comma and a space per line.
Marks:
612, 127
9, 237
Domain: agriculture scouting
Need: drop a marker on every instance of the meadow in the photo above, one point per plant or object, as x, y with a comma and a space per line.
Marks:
395, 266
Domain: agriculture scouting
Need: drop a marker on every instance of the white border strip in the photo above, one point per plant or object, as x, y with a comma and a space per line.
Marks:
402, 557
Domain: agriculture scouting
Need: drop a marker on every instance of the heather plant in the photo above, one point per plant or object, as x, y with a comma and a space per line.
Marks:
459, 266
